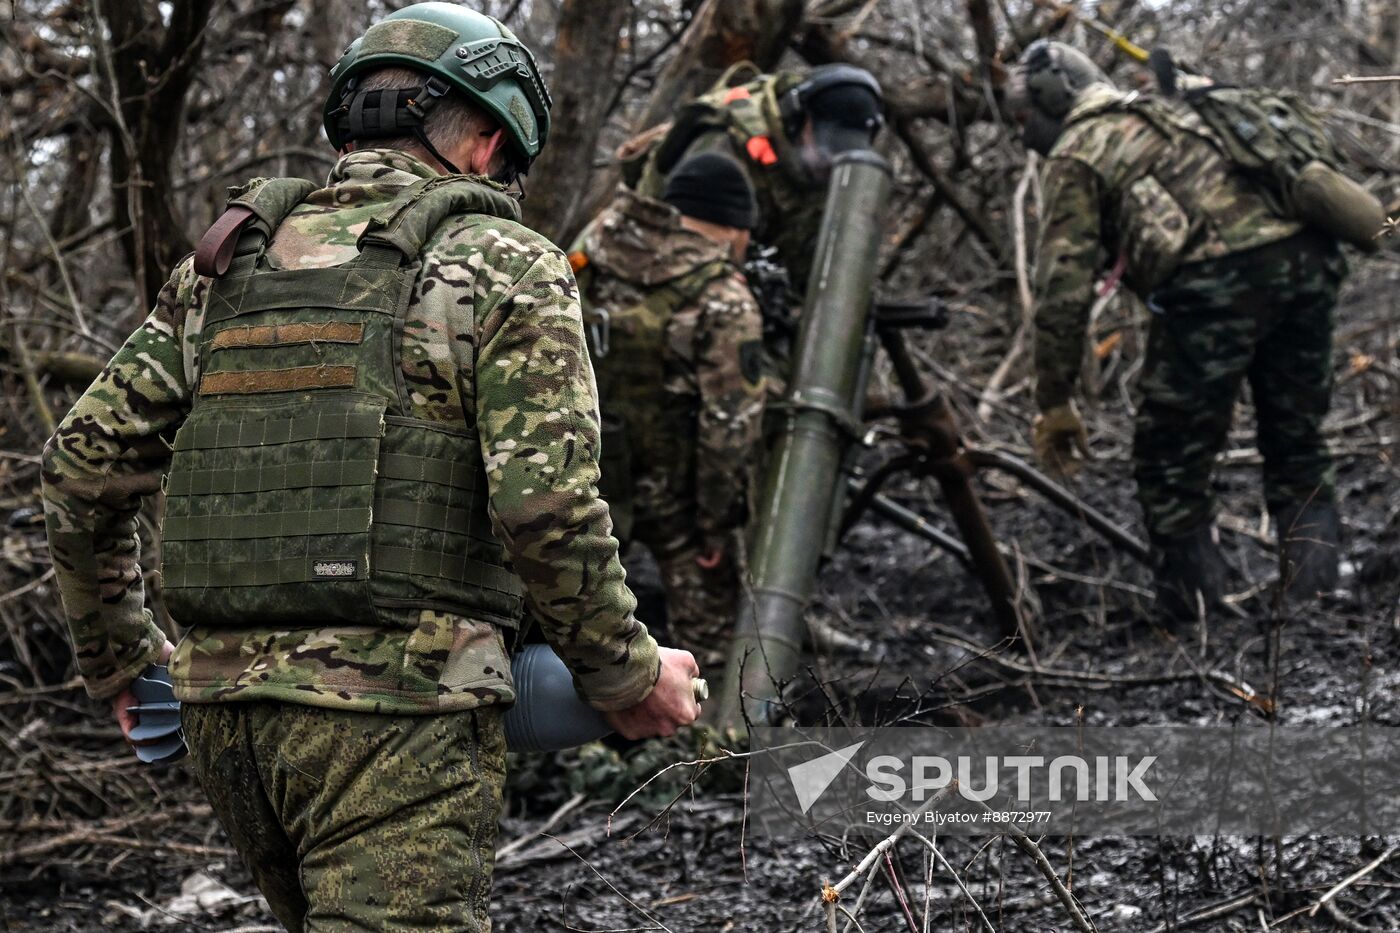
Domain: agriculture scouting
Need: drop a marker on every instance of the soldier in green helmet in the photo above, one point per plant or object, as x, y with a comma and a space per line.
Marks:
1238, 288
678, 353
784, 129
371, 411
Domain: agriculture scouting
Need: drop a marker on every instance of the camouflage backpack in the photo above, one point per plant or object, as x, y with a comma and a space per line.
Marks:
303, 489
744, 103
1277, 140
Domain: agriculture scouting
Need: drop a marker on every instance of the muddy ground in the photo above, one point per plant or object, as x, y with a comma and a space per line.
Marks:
696, 867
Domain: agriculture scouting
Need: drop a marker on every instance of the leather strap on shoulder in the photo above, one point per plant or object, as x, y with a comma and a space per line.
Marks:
215, 249
263, 205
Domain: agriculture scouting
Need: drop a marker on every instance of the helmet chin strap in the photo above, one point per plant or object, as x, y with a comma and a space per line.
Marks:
427, 144
510, 173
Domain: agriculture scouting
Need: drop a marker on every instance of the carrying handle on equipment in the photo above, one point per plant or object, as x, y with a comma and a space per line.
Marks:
215, 250
741, 72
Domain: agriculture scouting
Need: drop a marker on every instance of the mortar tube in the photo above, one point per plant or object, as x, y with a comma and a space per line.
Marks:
819, 418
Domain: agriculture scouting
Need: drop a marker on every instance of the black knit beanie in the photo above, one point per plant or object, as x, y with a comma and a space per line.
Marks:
712, 187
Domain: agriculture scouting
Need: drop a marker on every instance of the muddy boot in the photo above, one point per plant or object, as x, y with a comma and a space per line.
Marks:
1189, 574
1309, 537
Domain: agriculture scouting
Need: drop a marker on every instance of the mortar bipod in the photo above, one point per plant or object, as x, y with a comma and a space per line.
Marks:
935, 448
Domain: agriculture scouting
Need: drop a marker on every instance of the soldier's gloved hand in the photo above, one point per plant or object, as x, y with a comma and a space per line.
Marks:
1057, 434
670, 705
125, 698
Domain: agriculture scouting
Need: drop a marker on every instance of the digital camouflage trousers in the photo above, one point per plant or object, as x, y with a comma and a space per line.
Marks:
1264, 317
357, 821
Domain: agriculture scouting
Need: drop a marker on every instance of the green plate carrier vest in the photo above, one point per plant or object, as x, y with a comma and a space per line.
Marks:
303, 491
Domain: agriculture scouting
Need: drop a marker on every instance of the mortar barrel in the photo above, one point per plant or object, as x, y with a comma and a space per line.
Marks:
818, 423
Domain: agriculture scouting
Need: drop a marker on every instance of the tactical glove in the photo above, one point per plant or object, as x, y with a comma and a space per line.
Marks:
1056, 434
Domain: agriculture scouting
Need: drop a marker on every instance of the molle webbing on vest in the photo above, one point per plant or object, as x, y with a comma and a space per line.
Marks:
260, 490
348, 287
303, 489
282, 335
277, 380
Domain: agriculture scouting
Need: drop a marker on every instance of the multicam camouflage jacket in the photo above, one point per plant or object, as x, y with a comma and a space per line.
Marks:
745, 124
1136, 179
493, 340
683, 369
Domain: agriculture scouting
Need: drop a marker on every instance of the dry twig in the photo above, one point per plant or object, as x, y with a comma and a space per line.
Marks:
1354, 877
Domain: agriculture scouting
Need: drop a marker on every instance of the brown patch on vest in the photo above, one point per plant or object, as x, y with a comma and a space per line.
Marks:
283, 335
277, 380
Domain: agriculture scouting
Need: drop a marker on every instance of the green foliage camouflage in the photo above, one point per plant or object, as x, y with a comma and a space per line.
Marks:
340, 814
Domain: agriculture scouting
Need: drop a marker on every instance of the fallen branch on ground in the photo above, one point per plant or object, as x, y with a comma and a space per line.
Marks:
1097, 681
1354, 877
1365, 79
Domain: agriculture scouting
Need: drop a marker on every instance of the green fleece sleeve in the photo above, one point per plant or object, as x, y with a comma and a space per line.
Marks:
1067, 261
537, 416
106, 456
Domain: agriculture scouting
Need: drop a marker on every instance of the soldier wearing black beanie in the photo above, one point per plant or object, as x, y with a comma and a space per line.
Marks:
677, 352
713, 188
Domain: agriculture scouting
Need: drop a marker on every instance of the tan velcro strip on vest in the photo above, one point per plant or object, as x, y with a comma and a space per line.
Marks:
277, 380
283, 335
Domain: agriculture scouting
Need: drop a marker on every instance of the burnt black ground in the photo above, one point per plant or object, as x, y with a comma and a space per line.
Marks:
1338, 662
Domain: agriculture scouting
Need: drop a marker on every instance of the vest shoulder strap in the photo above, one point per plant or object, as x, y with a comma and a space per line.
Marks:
273, 199
261, 206
409, 221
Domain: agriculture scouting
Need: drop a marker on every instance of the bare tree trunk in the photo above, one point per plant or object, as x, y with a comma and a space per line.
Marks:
979, 13
585, 51
83, 155
148, 70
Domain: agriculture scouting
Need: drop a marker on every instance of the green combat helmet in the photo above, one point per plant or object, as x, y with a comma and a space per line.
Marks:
1049, 79
456, 49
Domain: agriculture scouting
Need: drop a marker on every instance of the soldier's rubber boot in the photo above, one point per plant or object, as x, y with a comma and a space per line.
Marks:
1309, 540
1189, 575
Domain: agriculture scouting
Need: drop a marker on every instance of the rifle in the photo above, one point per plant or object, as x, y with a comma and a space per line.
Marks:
772, 287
